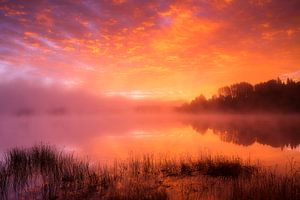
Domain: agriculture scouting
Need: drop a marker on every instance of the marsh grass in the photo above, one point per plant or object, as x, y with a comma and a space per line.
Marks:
43, 172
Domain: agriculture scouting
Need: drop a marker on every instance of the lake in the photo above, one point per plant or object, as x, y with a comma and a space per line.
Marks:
272, 139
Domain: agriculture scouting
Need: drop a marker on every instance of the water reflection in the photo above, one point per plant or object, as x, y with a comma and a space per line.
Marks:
276, 131
268, 138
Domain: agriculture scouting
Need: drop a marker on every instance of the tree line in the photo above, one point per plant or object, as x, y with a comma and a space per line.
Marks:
270, 96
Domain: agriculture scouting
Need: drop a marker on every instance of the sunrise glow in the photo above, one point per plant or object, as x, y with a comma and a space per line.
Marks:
150, 99
149, 49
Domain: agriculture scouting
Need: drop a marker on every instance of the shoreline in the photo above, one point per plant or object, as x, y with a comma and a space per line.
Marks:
49, 173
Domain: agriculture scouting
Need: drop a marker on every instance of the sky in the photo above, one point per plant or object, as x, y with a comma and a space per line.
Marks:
161, 49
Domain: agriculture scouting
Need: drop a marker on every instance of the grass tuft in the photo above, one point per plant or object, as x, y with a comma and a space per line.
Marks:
43, 172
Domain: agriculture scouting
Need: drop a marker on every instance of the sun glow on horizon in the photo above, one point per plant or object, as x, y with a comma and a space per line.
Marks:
149, 49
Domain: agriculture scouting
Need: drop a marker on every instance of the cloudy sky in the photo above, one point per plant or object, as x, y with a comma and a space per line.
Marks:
164, 49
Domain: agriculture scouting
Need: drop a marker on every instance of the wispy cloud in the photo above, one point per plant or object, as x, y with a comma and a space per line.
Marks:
133, 45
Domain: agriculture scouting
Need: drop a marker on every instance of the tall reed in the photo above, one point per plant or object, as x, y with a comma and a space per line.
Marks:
43, 172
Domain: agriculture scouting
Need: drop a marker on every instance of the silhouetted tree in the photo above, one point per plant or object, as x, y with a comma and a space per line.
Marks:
273, 95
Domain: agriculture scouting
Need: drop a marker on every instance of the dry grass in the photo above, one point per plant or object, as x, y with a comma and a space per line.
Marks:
42, 172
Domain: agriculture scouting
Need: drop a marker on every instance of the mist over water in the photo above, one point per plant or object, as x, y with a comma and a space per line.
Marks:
105, 128
272, 140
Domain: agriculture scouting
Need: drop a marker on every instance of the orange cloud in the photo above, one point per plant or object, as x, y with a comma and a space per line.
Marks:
164, 49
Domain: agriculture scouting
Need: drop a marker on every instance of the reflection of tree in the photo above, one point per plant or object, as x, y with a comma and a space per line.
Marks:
273, 95
275, 131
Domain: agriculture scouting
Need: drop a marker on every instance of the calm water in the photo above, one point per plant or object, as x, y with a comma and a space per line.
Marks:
272, 139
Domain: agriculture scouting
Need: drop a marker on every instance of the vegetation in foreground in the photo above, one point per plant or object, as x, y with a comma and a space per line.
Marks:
42, 172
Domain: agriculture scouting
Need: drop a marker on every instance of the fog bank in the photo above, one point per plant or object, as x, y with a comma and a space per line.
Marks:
23, 98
